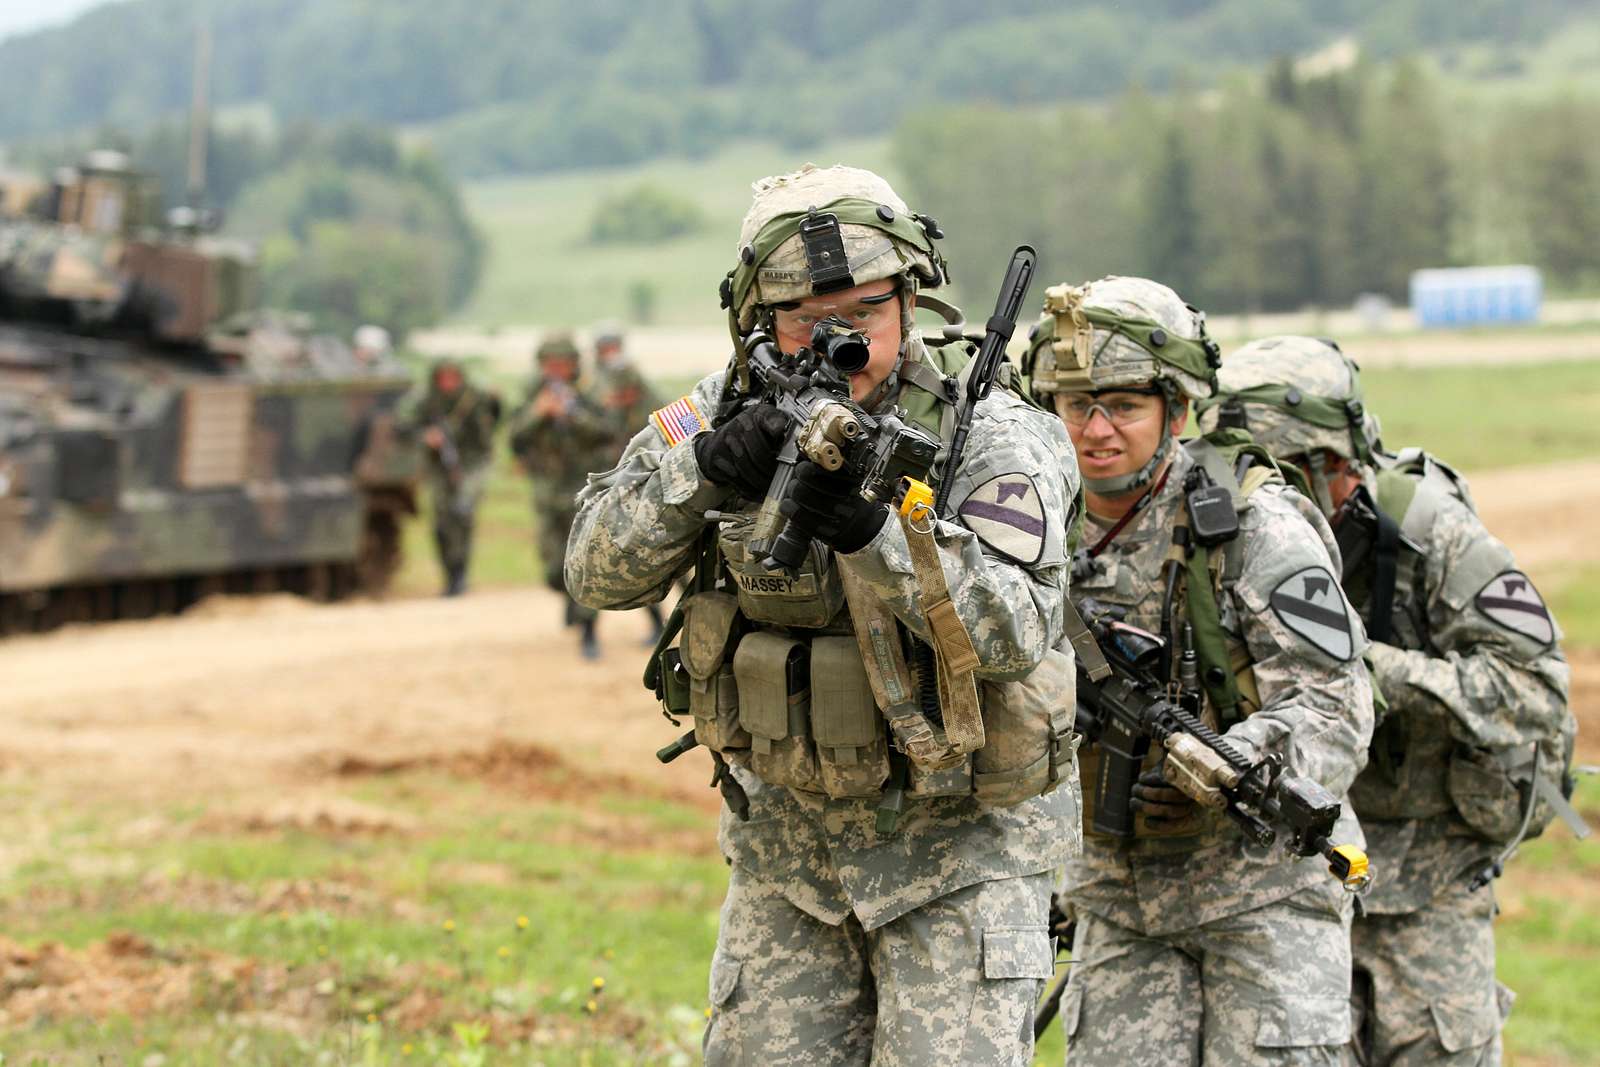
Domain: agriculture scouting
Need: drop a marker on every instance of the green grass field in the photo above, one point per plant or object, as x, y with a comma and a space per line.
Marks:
505, 921
542, 268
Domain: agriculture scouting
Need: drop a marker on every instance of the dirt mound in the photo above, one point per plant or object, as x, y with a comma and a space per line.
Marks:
125, 975
523, 768
128, 976
328, 816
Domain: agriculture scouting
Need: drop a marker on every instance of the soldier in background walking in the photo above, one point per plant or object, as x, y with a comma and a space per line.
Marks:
455, 421
628, 399
556, 436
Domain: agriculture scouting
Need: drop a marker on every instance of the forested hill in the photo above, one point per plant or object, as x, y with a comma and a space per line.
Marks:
527, 85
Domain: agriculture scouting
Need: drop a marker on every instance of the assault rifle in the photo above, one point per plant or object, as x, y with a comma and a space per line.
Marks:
1127, 707
1122, 707
450, 460
812, 390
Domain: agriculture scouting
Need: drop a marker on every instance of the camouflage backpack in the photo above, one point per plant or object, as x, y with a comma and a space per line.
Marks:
1505, 795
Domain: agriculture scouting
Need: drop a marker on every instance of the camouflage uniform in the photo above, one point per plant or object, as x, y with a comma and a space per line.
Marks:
467, 417
558, 452
1194, 946
619, 388
838, 944
628, 398
1464, 679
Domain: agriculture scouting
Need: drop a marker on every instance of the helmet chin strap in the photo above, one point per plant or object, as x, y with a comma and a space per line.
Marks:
890, 386
1123, 484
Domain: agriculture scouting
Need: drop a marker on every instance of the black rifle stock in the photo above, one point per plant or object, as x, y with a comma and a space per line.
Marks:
991, 353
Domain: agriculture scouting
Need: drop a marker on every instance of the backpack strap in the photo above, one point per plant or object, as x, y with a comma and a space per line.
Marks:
1231, 459
1385, 572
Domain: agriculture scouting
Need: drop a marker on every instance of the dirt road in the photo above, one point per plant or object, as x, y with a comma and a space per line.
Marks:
255, 698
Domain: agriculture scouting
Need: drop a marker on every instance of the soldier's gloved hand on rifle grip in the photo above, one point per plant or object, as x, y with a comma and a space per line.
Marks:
828, 506
742, 453
1158, 801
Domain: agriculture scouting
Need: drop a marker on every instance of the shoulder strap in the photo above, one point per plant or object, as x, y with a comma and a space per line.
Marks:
1231, 459
1385, 573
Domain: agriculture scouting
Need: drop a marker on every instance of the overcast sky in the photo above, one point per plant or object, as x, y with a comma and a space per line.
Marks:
19, 16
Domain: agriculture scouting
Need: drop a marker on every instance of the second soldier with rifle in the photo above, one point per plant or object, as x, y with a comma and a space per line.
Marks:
889, 716
1197, 941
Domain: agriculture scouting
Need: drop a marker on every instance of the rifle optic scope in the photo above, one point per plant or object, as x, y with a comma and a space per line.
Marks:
846, 349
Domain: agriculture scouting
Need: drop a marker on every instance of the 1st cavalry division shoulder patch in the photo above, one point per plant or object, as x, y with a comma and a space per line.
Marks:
679, 420
1007, 515
1510, 600
1310, 603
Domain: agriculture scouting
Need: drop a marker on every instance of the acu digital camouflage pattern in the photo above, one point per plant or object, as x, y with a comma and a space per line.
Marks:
1267, 985
1464, 687
1312, 366
152, 453
1204, 885
872, 253
1425, 991
957, 979
812, 869
1115, 359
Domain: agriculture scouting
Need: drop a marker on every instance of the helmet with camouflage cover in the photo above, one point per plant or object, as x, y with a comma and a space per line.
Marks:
557, 344
821, 230
1121, 333
607, 334
1297, 396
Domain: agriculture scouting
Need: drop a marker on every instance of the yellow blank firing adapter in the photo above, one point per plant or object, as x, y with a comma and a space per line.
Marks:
1349, 864
914, 496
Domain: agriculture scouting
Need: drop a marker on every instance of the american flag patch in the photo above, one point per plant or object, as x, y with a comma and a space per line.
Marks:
678, 421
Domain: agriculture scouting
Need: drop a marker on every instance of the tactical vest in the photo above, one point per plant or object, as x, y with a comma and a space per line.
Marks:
788, 680
1415, 769
1205, 582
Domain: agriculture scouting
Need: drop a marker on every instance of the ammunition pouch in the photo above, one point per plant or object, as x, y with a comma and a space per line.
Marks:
852, 746
801, 713
1030, 745
1484, 793
708, 629
774, 678
1491, 789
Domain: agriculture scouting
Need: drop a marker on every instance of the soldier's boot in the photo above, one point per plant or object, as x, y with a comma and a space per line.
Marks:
456, 580
656, 625
570, 619
591, 644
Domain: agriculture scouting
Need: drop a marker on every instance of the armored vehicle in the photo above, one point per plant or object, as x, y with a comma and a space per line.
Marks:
161, 437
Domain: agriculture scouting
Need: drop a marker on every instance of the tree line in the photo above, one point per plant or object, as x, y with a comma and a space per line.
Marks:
529, 85
1270, 193
350, 226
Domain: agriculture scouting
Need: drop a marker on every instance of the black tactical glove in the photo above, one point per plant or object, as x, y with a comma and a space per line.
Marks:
742, 453
828, 506
1161, 804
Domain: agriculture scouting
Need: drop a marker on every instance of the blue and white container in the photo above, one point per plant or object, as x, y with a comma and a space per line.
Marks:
1476, 296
